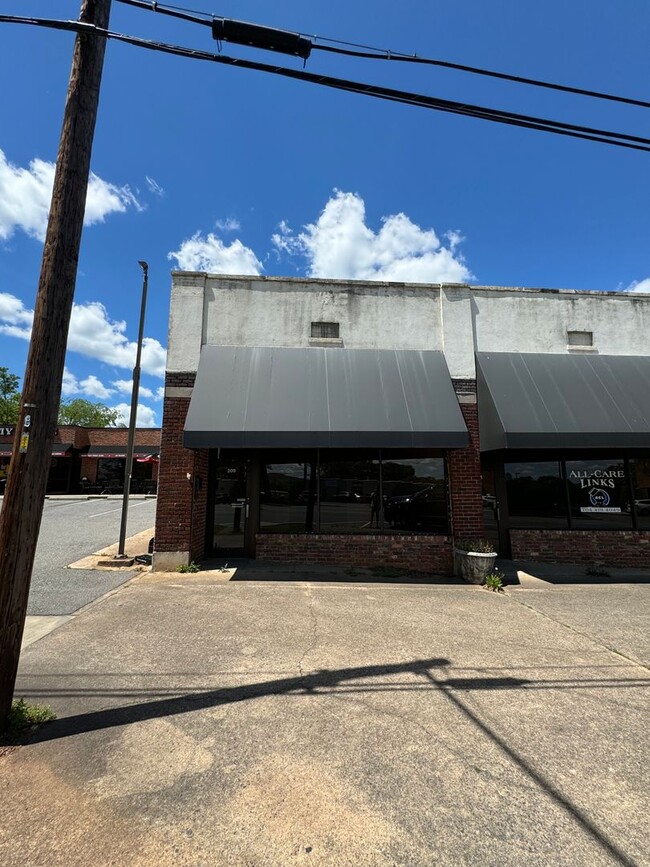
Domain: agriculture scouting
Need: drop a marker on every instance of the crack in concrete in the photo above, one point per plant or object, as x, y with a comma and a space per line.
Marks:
314, 627
579, 632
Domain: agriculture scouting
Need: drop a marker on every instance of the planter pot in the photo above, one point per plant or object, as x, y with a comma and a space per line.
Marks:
472, 566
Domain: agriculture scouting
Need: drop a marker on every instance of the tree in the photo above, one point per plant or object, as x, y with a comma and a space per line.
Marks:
84, 412
9, 397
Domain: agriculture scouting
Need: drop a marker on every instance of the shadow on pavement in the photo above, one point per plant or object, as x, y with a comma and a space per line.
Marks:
330, 682
571, 573
256, 570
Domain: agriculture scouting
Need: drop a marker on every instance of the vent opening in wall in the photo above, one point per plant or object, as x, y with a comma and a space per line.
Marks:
580, 339
325, 330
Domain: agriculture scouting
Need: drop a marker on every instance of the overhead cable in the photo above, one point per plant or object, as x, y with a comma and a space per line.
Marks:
389, 94
369, 53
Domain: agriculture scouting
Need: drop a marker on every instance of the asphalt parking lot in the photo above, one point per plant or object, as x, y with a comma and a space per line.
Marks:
278, 723
71, 529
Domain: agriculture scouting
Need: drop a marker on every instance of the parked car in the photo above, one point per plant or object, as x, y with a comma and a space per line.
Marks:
424, 508
345, 497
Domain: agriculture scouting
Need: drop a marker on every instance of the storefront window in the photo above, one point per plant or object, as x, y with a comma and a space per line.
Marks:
599, 494
346, 491
349, 493
536, 495
640, 471
288, 498
414, 494
58, 480
110, 474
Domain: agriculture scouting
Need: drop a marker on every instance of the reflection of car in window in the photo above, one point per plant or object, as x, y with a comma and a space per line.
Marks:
425, 509
345, 497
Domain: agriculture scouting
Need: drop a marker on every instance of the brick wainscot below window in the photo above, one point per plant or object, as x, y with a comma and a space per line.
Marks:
628, 548
430, 554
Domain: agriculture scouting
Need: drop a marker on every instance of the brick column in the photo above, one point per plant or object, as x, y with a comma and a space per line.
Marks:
181, 505
465, 482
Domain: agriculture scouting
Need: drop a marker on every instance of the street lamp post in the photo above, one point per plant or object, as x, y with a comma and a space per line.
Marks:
128, 469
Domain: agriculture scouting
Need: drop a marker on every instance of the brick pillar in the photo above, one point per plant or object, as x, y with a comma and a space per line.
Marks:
200, 503
181, 505
465, 482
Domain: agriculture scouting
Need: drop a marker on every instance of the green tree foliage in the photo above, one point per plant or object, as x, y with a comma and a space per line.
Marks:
9, 397
84, 412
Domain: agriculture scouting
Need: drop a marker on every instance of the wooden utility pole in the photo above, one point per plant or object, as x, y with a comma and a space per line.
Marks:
20, 518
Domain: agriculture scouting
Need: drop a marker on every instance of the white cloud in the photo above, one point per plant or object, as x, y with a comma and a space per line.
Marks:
209, 253
154, 187
639, 286
70, 384
125, 386
160, 393
25, 198
341, 245
228, 225
145, 417
92, 333
94, 387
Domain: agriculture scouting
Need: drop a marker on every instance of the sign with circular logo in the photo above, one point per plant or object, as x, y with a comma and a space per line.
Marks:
599, 497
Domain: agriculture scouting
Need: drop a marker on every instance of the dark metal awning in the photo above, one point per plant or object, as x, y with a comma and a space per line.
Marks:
59, 450
110, 451
261, 397
563, 401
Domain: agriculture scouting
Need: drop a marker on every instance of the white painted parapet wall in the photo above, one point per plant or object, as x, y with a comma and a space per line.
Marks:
456, 318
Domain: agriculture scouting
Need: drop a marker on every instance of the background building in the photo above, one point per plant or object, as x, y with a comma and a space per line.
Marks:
91, 460
372, 423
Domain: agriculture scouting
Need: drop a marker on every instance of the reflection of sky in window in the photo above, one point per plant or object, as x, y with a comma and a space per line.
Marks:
590, 467
532, 470
427, 468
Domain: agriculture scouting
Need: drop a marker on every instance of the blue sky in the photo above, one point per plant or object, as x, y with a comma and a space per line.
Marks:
242, 172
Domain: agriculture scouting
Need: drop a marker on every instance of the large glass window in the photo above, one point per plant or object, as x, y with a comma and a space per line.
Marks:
640, 471
110, 474
536, 494
599, 494
353, 491
349, 492
288, 497
414, 494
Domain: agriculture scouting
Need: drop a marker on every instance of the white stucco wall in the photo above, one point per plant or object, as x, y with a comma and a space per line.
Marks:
526, 320
458, 319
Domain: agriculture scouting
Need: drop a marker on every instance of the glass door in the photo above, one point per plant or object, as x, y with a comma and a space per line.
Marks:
230, 507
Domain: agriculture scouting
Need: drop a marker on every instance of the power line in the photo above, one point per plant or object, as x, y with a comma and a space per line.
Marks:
367, 52
389, 94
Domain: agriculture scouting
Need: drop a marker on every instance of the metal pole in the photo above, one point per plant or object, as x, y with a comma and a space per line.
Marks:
134, 410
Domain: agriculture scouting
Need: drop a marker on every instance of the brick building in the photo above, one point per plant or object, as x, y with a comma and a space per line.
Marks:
359, 423
91, 460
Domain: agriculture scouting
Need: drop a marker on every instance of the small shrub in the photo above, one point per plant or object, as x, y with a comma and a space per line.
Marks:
190, 567
476, 546
23, 718
494, 581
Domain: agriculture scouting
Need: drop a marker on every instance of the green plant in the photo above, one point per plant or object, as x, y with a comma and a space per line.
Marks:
494, 581
189, 567
476, 546
23, 718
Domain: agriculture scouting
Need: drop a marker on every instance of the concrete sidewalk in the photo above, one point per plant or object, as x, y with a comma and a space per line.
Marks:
253, 723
